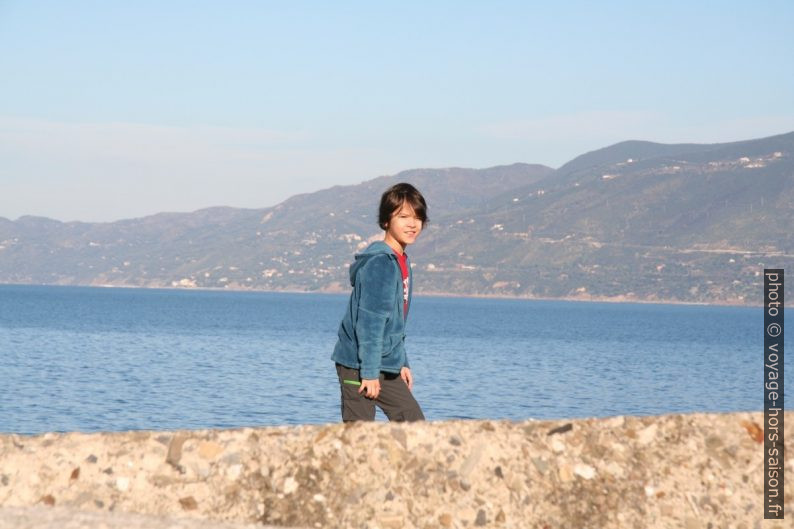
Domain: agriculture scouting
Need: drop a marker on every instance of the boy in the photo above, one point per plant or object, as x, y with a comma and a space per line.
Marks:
370, 357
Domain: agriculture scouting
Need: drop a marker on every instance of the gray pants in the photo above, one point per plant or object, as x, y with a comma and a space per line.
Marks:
395, 399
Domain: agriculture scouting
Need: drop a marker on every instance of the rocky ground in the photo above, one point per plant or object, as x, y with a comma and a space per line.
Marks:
672, 471
43, 517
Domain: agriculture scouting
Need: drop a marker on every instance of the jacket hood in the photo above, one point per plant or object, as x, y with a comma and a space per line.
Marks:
376, 248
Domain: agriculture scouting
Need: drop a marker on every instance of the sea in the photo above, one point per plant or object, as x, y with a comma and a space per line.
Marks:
112, 359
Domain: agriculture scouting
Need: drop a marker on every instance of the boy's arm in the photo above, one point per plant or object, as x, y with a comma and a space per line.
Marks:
375, 304
408, 377
405, 353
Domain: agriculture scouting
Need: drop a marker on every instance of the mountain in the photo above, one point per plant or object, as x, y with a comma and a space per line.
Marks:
633, 221
304, 243
641, 221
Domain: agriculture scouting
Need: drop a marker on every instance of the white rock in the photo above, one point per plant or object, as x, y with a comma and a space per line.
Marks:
319, 498
234, 471
290, 485
123, 484
584, 471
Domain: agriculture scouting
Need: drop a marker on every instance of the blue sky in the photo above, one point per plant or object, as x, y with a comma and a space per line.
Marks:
113, 110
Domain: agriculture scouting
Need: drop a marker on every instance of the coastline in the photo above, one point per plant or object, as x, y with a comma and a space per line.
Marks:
584, 299
694, 470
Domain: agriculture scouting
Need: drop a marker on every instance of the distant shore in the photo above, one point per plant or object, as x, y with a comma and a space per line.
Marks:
596, 299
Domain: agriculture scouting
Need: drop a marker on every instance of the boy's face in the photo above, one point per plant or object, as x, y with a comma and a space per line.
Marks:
404, 226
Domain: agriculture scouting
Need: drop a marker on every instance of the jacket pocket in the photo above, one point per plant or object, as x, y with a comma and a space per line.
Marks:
392, 340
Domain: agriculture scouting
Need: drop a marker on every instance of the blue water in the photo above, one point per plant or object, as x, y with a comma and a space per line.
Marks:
74, 358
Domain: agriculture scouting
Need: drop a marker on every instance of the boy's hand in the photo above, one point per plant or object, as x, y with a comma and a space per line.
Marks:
370, 387
405, 374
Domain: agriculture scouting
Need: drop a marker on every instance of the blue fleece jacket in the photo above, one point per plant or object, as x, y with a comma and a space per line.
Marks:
372, 332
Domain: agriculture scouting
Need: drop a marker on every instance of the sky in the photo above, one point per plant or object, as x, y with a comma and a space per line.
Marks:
116, 109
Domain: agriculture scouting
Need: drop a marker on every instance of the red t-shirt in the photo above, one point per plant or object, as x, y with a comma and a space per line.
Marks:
404, 269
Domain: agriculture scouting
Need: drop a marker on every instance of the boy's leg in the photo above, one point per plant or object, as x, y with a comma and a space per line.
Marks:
355, 406
396, 400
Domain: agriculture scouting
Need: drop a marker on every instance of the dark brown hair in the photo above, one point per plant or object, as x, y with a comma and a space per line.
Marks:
393, 199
